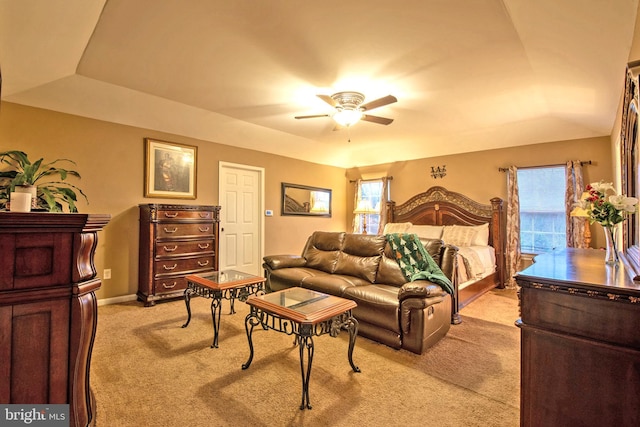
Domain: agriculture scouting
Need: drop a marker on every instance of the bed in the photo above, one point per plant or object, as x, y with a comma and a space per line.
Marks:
462, 222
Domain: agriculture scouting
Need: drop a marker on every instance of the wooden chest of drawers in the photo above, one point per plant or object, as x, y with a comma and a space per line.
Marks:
580, 347
175, 240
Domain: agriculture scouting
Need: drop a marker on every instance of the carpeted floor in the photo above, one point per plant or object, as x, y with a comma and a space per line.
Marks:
147, 370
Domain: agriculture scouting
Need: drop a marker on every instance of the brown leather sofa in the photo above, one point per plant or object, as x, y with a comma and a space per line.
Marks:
400, 314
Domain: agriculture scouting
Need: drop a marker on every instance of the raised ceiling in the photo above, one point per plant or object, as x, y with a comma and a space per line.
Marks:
469, 75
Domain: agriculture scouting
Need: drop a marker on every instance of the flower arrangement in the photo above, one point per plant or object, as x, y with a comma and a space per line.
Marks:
601, 204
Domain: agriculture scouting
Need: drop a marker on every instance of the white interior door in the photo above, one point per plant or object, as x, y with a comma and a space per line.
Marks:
241, 190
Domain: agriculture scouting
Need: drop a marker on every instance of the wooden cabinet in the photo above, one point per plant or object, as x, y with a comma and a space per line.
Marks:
48, 309
175, 240
580, 344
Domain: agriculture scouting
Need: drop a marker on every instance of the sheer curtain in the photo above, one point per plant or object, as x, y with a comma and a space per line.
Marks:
384, 199
377, 200
512, 249
355, 223
574, 187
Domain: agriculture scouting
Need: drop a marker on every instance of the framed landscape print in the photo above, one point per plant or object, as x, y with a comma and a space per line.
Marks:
170, 170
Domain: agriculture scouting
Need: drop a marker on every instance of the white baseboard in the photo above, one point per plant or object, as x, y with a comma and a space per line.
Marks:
117, 300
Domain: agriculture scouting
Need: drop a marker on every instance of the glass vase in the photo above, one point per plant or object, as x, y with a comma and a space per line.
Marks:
611, 257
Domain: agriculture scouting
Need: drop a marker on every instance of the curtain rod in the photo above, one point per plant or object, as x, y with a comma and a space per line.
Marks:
374, 179
587, 162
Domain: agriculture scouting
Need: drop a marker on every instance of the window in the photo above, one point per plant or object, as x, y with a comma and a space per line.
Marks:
369, 195
542, 209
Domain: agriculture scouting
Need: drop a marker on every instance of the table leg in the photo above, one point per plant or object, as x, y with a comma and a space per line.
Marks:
352, 326
187, 301
252, 320
233, 309
306, 342
216, 309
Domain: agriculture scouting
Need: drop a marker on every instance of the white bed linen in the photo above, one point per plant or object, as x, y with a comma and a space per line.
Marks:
481, 262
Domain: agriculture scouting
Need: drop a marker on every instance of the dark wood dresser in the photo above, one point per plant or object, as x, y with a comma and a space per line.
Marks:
580, 342
175, 240
48, 309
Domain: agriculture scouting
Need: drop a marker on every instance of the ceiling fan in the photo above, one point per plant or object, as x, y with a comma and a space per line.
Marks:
350, 108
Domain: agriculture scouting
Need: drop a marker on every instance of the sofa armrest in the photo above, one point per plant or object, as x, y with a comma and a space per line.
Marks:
274, 262
420, 289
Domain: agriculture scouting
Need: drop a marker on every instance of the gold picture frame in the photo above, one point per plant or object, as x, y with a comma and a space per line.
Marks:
170, 170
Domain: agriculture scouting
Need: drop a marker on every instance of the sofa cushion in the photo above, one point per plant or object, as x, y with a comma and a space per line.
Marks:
333, 284
290, 277
323, 249
434, 248
360, 256
389, 272
377, 304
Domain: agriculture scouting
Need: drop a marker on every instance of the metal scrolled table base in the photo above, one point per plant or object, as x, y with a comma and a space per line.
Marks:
304, 334
241, 293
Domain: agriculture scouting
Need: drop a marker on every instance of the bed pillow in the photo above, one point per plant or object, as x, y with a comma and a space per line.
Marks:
458, 235
427, 231
396, 227
482, 235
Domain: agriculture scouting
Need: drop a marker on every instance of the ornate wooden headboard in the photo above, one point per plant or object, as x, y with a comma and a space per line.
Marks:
438, 206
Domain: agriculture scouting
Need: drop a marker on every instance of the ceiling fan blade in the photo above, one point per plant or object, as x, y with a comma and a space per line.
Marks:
312, 117
329, 100
376, 119
389, 99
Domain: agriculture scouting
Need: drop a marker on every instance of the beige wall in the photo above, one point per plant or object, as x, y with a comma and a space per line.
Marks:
110, 159
477, 176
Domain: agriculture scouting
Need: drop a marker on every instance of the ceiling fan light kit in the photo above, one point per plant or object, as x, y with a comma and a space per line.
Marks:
346, 117
350, 110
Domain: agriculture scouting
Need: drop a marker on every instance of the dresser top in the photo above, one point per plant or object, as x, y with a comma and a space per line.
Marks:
20, 222
580, 268
166, 206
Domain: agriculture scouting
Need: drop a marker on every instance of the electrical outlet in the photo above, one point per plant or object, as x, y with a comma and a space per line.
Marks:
106, 274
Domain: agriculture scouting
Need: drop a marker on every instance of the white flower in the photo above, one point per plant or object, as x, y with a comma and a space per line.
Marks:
601, 204
622, 203
603, 187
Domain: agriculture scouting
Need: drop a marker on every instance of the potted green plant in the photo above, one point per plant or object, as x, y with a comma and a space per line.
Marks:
51, 194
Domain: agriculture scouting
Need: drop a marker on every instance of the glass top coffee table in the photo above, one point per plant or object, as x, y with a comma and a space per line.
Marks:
219, 285
305, 314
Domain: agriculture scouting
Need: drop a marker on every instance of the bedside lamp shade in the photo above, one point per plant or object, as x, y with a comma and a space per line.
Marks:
364, 208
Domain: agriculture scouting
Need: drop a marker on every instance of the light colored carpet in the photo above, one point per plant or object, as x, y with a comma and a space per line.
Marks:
147, 370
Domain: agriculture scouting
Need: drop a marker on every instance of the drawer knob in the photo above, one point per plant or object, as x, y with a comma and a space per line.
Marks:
203, 263
203, 246
171, 215
204, 214
168, 249
170, 268
167, 230
203, 229
169, 286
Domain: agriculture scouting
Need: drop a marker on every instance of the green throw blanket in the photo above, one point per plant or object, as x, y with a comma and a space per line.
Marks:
415, 262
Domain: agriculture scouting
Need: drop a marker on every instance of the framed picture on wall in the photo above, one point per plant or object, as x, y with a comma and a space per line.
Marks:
170, 170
